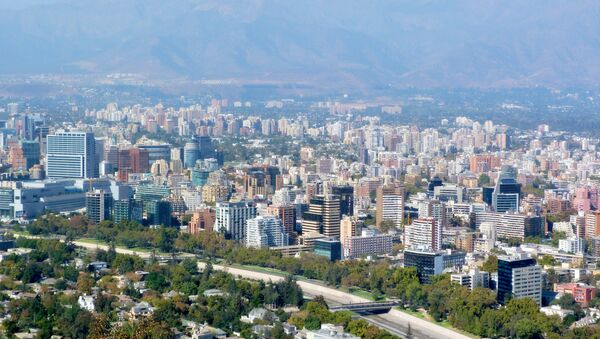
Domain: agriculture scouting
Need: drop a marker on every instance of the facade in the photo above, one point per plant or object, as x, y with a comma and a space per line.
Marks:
582, 293
231, 218
390, 205
265, 232
507, 192
323, 216
519, 277
98, 205
127, 209
202, 220
474, 278
331, 248
71, 155
427, 263
346, 194
373, 244
509, 225
158, 212
423, 233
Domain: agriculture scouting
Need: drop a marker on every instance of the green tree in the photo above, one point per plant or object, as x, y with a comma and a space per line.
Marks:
491, 264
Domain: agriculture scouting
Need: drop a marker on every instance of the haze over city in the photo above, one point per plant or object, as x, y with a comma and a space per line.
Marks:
299, 169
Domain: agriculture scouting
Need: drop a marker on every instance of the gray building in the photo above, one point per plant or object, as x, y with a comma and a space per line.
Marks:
71, 155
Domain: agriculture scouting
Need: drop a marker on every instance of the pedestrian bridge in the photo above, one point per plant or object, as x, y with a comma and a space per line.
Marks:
368, 307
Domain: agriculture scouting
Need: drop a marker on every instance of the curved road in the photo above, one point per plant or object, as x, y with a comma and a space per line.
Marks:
394, 321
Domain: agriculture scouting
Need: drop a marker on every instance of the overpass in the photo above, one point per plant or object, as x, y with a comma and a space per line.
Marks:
366, 307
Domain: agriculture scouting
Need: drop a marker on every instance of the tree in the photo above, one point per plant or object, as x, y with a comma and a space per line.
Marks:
491, 264
387, 225
85, 283
483, 180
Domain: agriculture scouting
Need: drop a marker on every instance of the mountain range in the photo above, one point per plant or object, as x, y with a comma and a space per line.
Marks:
422, 43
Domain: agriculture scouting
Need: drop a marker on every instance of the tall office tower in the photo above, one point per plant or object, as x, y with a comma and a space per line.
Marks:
346, 194
206, 148
519, 277
127, 209
323, 216
71, 155
139, 160
98, 205
507, 192
31, 152
423, 233
287, 215
265, 232
390, 204
231, 218
158, 212
191, 153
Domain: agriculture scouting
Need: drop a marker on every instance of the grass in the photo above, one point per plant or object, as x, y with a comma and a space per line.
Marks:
360, 293
103, 243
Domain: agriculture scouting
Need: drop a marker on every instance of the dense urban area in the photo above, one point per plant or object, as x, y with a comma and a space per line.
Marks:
134, 216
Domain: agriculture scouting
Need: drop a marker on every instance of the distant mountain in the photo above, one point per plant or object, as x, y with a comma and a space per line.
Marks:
351, 43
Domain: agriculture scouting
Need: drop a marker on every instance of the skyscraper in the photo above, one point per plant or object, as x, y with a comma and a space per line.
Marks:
71, 155
323, 216
507, 192
390, 204
346, 194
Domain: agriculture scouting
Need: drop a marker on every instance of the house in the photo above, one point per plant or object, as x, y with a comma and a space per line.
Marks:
258, 313
556, 310
87, 302
97, 265
213, 293
327, 331
142, 309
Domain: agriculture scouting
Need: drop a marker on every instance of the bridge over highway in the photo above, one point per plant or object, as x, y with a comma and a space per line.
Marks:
366, 307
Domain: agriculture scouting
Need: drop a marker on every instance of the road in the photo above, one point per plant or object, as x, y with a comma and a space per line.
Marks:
395, 321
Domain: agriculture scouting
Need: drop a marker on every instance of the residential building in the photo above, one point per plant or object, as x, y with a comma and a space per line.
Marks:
265, 232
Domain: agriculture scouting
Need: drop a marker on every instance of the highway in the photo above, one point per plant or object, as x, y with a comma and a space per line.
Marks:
395, 321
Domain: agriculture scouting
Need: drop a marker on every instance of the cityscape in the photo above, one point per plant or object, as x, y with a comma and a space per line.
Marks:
353, 201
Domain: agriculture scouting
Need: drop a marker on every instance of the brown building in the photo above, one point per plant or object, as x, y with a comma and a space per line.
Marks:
202, 220
483, 163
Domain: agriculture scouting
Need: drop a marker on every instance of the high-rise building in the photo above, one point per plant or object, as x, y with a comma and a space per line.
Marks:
127, 209
98, 205
265, 231
519, 277
158, 212
346, 194
71, 155
423, 233
507, 192
323, 216
231, 218
390, 205
191, 153
31, 152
